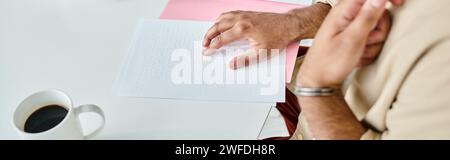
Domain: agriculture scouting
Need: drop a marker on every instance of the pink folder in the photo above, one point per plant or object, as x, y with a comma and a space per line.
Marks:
209, 10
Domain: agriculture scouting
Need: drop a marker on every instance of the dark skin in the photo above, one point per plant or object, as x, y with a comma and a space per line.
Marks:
363, 25
341, 44
278, 30
264, 30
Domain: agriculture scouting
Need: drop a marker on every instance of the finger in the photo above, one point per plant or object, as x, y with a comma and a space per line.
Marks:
245, 59
226, 38
341, 16
223, 39
251, 57
215, 30
365, 62
376, 37
381, 32
372, 51
366, 20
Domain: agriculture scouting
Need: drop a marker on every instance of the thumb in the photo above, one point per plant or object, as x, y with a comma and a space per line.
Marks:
340, 17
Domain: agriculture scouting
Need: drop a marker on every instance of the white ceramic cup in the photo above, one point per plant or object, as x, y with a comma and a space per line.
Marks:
68, 128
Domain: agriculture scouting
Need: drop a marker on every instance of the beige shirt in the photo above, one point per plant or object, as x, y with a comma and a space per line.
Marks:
405, 94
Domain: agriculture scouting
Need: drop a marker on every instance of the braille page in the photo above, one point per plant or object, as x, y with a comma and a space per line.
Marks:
209, 10
165, 61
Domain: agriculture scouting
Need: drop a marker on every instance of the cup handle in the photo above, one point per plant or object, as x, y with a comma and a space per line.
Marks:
94, 109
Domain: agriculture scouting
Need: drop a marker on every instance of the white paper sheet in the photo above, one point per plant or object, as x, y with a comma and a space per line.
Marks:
274, 125
165, 61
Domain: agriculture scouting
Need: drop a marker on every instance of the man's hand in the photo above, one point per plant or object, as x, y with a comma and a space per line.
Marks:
276, 31
340, 43
338, 49
264, 30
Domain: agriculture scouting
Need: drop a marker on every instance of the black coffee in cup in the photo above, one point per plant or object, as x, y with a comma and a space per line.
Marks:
45, 118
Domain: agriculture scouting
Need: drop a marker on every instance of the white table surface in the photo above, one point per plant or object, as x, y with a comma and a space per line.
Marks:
77, 46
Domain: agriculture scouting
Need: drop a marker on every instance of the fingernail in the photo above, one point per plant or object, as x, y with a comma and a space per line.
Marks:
205, 52
208, 52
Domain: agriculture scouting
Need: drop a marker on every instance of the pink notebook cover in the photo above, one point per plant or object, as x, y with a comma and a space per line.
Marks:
209, 10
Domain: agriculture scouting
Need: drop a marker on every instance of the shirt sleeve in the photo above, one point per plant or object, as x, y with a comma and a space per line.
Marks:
422, 106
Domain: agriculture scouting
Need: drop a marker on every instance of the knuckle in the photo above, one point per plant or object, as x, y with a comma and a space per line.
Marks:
216, 42
215, 26
244, 17
231, 14
242, 27
225, 14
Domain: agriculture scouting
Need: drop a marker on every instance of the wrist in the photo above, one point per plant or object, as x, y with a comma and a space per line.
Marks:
307, 21
310, 88
306, 80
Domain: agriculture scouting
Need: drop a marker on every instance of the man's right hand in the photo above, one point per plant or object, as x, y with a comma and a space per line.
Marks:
276, 31
264, 30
